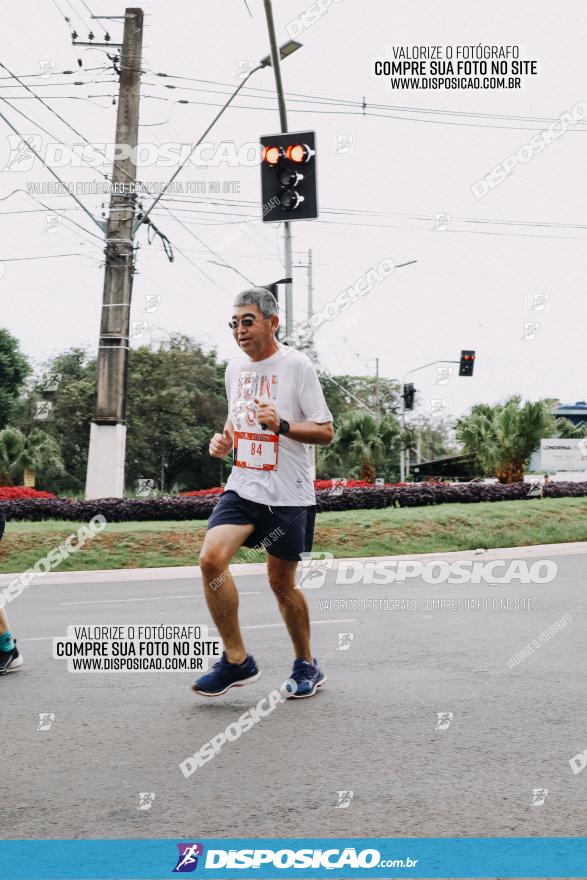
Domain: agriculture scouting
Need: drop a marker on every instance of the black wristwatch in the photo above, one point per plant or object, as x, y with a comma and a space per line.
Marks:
283, 427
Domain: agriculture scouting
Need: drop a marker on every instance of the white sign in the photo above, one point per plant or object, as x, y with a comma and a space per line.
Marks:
563, 455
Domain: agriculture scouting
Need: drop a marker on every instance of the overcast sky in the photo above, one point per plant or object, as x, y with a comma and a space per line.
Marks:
383, 175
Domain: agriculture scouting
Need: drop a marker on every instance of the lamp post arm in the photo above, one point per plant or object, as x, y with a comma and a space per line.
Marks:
190, 154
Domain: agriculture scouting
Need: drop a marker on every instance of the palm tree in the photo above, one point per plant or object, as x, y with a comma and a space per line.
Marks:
503, 437
11, 445
40, 453
364, 442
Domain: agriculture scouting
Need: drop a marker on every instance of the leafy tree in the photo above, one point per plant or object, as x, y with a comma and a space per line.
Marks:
14, 368
40, 454
68, 423
503, 437
363, 447
344, 394
176, 400
12, 443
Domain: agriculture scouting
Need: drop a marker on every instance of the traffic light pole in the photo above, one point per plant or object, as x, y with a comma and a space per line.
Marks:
105, 472
403, 458
288, 266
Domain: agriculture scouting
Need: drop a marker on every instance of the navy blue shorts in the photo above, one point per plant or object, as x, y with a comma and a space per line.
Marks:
285, 532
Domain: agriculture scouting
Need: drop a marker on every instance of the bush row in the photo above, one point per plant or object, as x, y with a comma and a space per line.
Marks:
191, 508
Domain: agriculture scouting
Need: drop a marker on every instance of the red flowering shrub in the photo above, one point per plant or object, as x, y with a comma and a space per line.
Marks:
15, 493
200, 493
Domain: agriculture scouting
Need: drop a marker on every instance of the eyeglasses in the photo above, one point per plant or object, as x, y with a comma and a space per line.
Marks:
246, 322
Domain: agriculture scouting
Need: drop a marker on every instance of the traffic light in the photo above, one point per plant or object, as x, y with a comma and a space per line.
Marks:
273, 288
288, 177
408, 394
467, 363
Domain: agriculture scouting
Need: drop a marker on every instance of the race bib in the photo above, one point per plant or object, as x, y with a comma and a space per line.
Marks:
257, 451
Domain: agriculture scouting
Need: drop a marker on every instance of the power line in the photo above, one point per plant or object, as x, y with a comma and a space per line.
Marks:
51, 85
92, 16
48, 106
362, 105
38, 125
203, 243
66, 97
43, 257
65, 122
364, 113
48, 167
195, 265
63, 15
84, 23
55, 73
199, 141
51, 210
351, 212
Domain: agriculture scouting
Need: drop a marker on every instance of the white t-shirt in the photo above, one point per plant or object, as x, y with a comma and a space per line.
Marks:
288, 380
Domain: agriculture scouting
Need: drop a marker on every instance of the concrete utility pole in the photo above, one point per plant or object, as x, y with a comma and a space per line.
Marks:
275, 63
105, 474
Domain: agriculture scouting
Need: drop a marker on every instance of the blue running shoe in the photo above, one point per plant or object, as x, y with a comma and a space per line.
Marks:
305, 680
225, 675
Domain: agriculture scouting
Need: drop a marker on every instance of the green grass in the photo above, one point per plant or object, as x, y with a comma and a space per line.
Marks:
384, 532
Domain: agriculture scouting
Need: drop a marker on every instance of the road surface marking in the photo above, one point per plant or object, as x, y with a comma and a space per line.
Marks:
151, 598
252, 626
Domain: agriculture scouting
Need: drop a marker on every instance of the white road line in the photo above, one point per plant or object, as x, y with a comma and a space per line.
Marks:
313, 623
151, 598
252, 626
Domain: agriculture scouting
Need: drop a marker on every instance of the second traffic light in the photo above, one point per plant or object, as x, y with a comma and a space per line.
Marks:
408, 394
467, 363
288, 177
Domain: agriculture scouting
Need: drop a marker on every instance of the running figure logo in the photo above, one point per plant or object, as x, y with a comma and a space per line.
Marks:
538, 796
187, 860
315, 566
444, 719
344, 641
146, 798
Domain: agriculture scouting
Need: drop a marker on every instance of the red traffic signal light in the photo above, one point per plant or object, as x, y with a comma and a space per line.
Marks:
299, 153
272, 155
467, 363
288, 177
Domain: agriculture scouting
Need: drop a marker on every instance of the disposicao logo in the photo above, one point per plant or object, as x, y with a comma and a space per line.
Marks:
187, 859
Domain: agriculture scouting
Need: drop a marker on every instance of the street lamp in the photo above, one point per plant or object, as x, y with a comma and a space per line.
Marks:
287, 49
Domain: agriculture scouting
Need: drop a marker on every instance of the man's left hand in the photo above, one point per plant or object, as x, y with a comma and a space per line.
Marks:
267, 415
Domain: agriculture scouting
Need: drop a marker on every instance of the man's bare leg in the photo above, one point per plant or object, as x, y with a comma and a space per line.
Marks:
292, 604
4, 624
220, 545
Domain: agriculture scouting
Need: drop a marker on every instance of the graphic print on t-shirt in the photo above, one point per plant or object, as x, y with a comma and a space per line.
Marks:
288, 381
253, 447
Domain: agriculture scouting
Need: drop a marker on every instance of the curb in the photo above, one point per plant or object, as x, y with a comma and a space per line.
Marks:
191, 572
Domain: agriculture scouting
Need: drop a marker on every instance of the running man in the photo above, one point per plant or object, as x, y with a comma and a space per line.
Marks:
276, 410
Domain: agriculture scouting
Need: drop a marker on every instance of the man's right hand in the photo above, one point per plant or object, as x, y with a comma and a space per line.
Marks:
220, 445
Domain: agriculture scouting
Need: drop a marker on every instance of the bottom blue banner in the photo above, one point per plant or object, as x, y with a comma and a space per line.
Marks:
497, 857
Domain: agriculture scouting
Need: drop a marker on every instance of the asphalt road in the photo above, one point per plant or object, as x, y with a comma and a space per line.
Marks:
372, 730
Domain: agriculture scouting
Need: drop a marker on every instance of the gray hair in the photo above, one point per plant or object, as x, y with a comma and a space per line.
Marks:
260, 297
